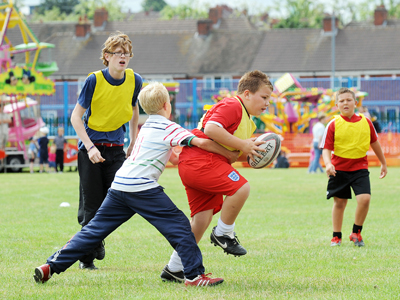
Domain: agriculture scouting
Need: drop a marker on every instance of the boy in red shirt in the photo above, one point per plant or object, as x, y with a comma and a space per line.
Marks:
349, 135
208, 177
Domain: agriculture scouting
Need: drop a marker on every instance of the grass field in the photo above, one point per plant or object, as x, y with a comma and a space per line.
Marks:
285, 227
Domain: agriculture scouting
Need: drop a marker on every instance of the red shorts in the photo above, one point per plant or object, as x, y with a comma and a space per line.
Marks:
207, 180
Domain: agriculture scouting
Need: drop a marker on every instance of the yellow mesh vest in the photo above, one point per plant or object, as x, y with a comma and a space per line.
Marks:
111, 105
245, 129
352, 140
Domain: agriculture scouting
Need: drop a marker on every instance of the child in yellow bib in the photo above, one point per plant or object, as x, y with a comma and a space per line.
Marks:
345, 143
107, 101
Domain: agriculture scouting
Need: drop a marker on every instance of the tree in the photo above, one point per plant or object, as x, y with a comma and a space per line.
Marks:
394, 9
184, 11
154, 5
86, 7
54, 14
299, 14
64, 6
364, 10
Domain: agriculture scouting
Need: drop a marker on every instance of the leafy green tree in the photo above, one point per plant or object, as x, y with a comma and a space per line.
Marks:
86, 7
54, 14
364, 10
299, 14
64, 6
154, 5
394, 9
185, 11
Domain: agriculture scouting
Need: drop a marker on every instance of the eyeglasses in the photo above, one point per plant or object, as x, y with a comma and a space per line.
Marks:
119, 54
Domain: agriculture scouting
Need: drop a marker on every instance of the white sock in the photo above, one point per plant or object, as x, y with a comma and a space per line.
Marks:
222, 228
175, 263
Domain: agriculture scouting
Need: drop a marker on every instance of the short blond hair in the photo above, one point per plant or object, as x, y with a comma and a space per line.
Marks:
152, 97
253, 81
117, 39
344, 90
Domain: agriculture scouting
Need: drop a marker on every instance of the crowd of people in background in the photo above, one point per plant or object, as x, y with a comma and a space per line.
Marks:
49, 153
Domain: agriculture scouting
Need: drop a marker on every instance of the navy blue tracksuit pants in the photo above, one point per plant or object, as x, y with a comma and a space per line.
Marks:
118, 207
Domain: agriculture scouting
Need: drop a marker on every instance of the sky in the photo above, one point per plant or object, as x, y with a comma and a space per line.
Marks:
135, 5
253, 5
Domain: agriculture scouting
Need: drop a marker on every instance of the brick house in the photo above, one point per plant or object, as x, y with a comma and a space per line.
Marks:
224, 46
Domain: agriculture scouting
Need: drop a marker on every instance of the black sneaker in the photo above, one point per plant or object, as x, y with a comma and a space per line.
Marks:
168, 275
100, 251
230, 245
89, 266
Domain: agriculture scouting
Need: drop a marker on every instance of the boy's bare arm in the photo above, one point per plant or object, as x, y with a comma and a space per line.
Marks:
77, 123
214, 147
219, 134
133, 129
376, 146
174, 158
329, 168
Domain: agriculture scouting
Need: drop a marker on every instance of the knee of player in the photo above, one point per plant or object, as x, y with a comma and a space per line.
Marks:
244, 191
363, 199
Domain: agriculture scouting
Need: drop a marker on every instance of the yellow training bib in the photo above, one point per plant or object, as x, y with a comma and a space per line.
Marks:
111, 105
352, 140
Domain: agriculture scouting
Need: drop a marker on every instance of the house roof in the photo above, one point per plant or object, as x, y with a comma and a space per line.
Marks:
309, 51
233, 46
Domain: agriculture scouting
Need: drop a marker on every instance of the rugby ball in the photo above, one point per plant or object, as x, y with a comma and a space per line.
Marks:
272, 147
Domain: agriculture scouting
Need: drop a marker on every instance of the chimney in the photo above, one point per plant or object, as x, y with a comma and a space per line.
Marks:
204, 26
214, 14
380, 15
82, 29
100, 17
217, 13
264, 18
327, 23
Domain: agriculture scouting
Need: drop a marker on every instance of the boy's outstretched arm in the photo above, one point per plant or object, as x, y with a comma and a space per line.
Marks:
220, 135
214, 147
329, 168
376, 146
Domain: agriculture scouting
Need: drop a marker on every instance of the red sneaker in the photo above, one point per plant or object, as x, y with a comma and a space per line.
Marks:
42, 273
357, 239
203, 280
336, 241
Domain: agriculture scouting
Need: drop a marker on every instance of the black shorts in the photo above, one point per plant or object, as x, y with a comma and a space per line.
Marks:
339, 185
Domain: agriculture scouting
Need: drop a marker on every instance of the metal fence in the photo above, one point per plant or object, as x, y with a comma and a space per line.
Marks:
383, 100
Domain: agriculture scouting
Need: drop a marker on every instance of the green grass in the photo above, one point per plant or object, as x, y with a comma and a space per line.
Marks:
285, 226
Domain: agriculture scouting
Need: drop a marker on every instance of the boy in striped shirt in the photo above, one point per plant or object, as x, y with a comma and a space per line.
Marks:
135, 190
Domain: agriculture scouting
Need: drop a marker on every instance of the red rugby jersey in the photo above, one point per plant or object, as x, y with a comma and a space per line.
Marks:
227, 114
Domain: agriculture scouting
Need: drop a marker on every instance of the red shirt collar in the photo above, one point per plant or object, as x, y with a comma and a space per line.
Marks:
354, 118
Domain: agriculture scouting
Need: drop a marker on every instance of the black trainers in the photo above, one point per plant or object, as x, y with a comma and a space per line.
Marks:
89, 266
230, 245
100, 251
168, 275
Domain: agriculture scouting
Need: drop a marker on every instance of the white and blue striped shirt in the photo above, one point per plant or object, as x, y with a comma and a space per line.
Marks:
150, 154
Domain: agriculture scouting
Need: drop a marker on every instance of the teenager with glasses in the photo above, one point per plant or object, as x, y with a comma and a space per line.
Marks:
107, 102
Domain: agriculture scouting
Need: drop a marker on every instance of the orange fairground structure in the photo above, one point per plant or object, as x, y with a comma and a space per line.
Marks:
297, 147
293, 110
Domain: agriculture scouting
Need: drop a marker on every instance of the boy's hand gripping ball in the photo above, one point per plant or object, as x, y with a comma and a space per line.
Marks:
273, 147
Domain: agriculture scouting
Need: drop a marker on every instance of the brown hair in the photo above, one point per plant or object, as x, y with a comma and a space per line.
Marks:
117, 39
253, 81
344, 90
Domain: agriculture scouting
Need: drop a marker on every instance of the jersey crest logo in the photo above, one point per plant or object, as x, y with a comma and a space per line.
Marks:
234, 176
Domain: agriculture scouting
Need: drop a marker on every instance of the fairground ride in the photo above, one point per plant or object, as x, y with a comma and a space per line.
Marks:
18, 81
